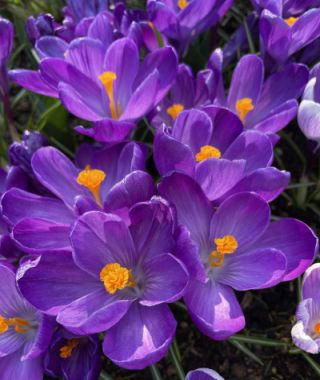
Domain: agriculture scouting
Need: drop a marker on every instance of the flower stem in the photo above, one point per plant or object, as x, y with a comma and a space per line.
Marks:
177, 364
155, 372
104, 376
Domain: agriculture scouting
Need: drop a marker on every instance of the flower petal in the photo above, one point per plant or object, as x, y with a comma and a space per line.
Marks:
148, 333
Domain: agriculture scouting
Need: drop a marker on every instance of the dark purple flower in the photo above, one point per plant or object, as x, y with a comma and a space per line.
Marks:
25, 333
73, 357
187, 92
107, 86
306, 332
80, 9
109, 178
282, 36
183, 20
119, 279
212, 146
20, 153
234, 248
267, 105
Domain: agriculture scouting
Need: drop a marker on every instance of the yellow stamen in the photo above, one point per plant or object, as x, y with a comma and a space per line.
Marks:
115, 277
224, 246
182, 4
92, 179
207, 151
151, 24
66, 351
291, 21
107, 78
175, 110
243, 106
20, 325
317, 328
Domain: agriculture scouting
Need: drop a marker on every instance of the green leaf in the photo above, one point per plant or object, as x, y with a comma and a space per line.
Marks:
246, 351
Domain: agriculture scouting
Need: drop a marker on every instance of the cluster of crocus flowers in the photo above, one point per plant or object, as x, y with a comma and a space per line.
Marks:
93, 249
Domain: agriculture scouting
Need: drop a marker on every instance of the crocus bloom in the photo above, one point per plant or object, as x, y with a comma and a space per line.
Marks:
73, 357
183, 20
6, 42
265, 105
80, 9
282, 36
120, 279
186, 92
234, 248
203, 374
107, 86
306, 332
109, 178
286, 7
211, 146
309, 109
25, 333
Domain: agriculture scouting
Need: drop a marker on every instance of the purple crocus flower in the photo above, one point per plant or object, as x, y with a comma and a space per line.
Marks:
234, 248
20, 153
286, 7
306, 332
80, 9
212, 146
73, 357
203, 374
25, 333
120, 279
265, 105
110, 178
6, 43
107, 86
283, 36
187, 92
183, 20
309, 109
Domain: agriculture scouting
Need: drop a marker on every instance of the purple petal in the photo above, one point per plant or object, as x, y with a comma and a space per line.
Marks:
122, 58
172, 155
218, 176
247, 80
165, 280
136, 187
253, 147
99, 239
62, 283
310, 284
309, 119
257, 269
93, 313
203, 374
245, 216
193, 208
12, 367
107, 130
305, 30
32, 80
148, 333
101, 29
39, 236
51, 46
58, 174
152, 228
295, 240
18, 204
214, 309
269, 183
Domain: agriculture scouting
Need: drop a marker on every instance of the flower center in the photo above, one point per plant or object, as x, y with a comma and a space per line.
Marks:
107, 78
66, 351
317, 328
224, 246
115, 277
182, 4
92, 179
291, 20
20, 325
207, 151
243, 106
175, 110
